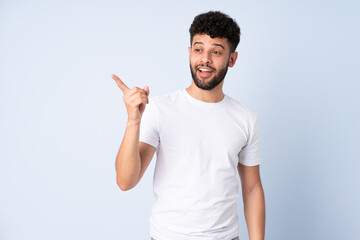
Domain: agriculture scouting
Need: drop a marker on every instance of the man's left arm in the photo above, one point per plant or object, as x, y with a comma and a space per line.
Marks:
254, 200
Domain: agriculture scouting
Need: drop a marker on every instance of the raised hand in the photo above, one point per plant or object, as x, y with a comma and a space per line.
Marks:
135, 99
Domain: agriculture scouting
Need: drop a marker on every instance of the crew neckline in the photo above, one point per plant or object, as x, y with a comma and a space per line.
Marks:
202, 103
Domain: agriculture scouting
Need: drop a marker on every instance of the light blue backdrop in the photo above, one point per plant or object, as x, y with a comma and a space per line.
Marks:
63, 117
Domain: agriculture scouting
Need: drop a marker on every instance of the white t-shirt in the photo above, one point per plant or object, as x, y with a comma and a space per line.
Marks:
199, 146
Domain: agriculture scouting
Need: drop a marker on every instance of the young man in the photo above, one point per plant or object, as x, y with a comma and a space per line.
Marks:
202, 138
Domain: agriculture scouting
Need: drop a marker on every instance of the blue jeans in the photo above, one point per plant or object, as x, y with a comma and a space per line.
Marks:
237, 238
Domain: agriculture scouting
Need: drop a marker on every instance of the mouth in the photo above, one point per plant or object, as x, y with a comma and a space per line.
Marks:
205, 71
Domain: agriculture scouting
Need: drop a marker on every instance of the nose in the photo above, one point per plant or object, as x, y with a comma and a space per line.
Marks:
206, 57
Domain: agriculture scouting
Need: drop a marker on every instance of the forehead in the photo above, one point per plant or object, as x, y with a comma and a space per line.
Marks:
207, 40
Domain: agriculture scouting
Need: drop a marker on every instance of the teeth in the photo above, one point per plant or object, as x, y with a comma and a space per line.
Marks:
205, 70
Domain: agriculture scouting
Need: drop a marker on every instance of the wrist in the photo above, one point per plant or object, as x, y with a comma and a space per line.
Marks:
132, 122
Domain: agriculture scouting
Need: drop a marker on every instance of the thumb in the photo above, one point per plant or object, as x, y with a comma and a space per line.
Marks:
147, 90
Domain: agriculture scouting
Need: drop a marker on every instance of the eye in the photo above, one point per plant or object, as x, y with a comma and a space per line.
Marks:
197, 50
216, 52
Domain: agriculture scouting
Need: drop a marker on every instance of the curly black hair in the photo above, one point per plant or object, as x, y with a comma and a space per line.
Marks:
216, 24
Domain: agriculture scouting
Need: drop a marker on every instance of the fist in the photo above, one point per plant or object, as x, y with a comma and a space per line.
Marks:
135, 99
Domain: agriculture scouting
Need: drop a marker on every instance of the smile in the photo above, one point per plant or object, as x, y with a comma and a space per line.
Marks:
205, 69
205, 72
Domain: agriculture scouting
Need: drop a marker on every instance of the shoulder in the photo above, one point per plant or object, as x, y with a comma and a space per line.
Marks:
242, 109
166, 99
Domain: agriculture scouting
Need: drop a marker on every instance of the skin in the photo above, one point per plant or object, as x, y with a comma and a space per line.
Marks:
133, 156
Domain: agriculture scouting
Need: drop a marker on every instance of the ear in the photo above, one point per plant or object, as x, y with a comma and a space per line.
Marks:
232, 59
189, 48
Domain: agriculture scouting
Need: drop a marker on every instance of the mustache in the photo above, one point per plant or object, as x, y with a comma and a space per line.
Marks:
205, 65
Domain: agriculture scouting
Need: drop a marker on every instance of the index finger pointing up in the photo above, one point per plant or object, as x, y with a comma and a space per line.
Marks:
120, 83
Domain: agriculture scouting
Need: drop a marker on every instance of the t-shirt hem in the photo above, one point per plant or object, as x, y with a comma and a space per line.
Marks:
249, 164
164, 234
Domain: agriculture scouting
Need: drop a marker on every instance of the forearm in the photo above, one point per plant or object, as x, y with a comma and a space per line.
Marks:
254, 210
127, 162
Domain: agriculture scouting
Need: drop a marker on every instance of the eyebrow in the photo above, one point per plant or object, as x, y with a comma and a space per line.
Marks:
214, 44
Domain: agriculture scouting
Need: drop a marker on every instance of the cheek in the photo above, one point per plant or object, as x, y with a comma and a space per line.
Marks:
224, 63
192, 62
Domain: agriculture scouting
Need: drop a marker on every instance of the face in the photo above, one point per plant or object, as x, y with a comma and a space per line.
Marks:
209, 60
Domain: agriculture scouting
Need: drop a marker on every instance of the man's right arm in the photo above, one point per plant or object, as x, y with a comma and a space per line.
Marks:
133, 158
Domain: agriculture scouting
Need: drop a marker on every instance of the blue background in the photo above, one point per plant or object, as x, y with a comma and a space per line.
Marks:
63, 118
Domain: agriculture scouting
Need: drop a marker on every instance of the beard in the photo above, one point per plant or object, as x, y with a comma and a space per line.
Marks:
208, 84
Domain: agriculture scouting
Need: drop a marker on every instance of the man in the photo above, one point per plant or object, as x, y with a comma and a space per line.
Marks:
201, 136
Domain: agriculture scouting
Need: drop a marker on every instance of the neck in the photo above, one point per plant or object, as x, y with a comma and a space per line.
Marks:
212, 96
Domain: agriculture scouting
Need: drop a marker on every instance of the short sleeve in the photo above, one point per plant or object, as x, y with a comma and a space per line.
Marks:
250, 153
149, 127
